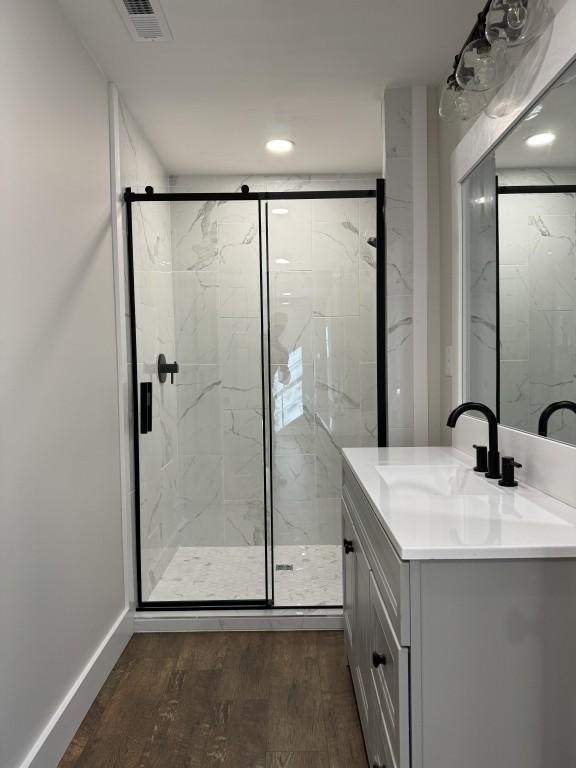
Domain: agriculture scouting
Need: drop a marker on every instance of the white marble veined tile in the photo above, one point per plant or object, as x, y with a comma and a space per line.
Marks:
483, 354
194, 235
199, 409
552, 355
238, 573
514, 312
200, 480
552, 264
242, 438
240, 277
515, 394
337, 360
289, 236
399, 259
241, 363
335, 246
151, 236
366, 229
293, 477
336, 292
369, 403
398, 122
196, 297
291, 317
244, 522
292, 400
400, 362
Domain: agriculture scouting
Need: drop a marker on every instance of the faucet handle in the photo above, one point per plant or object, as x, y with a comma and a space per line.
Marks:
481, 458
508, 466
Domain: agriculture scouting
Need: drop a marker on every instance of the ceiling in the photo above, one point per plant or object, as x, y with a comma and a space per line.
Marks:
239, 72
557, 115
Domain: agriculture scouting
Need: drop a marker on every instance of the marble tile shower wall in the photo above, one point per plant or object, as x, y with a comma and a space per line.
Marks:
538, 301
479, 208
323, 360
159, 516
219, 388
399, 265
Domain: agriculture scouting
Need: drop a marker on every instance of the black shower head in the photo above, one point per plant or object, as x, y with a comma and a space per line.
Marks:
372, 241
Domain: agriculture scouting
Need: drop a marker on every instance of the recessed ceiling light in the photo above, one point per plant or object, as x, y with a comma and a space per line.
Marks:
286, 303
280, 146
282, 261
280, 211
541, 139
286, 293
480, 200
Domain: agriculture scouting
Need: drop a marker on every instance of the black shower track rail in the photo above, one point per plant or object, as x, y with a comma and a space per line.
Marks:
168, 197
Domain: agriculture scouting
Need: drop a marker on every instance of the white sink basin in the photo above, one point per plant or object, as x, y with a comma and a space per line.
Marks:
436, 481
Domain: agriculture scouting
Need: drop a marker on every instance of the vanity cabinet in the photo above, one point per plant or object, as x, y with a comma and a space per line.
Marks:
457, 663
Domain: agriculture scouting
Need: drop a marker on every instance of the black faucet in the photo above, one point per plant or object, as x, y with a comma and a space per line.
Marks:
493, 455
560, 405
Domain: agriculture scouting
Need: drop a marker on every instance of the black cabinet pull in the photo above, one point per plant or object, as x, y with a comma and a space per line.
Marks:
145, 407
165, 368
378, 659
348, 546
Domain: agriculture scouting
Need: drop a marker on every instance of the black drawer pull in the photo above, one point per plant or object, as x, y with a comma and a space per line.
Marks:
378, 659
348, 546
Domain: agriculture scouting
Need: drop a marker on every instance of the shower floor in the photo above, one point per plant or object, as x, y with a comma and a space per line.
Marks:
237, 573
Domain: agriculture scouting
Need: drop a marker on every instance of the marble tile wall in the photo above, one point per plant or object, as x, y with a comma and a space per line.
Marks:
538, 302
323, 357
219, 390
159, 463
322, 354
479, 208
399, 266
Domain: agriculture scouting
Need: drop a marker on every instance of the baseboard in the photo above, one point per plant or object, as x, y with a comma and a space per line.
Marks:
248, 621
60, 730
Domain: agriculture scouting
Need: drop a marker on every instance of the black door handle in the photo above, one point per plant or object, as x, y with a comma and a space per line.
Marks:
165, 368
145, 407
348, 546
378, 659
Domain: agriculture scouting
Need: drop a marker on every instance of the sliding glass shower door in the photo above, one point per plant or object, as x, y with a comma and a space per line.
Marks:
197, 294
323, 373
255, 363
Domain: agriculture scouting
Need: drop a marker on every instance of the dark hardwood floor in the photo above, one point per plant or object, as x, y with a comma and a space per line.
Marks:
233, 699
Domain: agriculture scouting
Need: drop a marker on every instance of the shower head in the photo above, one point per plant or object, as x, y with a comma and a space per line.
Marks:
372, 241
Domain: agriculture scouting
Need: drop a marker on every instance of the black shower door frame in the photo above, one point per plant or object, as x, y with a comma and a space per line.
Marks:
131, 197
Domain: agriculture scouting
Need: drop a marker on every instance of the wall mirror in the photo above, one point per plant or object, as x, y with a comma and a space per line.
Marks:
519, 292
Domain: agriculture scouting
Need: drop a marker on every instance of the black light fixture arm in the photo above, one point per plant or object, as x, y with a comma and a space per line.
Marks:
478, 30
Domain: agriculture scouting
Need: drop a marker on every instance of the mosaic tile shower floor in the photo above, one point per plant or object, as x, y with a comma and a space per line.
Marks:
237, 573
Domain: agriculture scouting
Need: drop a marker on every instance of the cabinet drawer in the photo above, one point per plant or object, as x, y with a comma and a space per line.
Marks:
390, 677
379, 748
392, 574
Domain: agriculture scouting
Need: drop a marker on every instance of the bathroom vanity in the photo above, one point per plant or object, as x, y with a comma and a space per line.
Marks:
460, 613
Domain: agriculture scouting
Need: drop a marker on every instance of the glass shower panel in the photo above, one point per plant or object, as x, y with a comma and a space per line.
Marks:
197, 291
323, 381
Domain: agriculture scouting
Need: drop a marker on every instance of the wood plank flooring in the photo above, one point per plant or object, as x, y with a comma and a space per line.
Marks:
226, 700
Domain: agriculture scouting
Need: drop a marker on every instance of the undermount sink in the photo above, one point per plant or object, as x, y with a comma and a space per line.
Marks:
435, 481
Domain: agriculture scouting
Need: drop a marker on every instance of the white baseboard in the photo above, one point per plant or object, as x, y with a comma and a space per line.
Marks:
247, 621
60, 729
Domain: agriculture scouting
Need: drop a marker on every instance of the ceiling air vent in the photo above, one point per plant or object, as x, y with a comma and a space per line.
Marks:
145, 20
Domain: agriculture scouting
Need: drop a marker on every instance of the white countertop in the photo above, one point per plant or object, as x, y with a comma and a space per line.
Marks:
433, 505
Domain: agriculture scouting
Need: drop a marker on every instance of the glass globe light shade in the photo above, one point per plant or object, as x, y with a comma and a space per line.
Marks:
516, 22
482, 66
456, 105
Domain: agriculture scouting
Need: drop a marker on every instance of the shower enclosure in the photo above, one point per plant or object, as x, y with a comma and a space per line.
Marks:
254, 323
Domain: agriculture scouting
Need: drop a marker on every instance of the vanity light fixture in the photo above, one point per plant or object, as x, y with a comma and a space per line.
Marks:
541, 139
484, 63
280, 146
516, 22
482, 66
280, 211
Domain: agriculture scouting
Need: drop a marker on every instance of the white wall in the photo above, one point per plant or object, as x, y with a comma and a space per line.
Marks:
61, 573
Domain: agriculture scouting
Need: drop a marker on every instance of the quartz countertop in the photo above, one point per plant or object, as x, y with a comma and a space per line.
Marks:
432, 505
